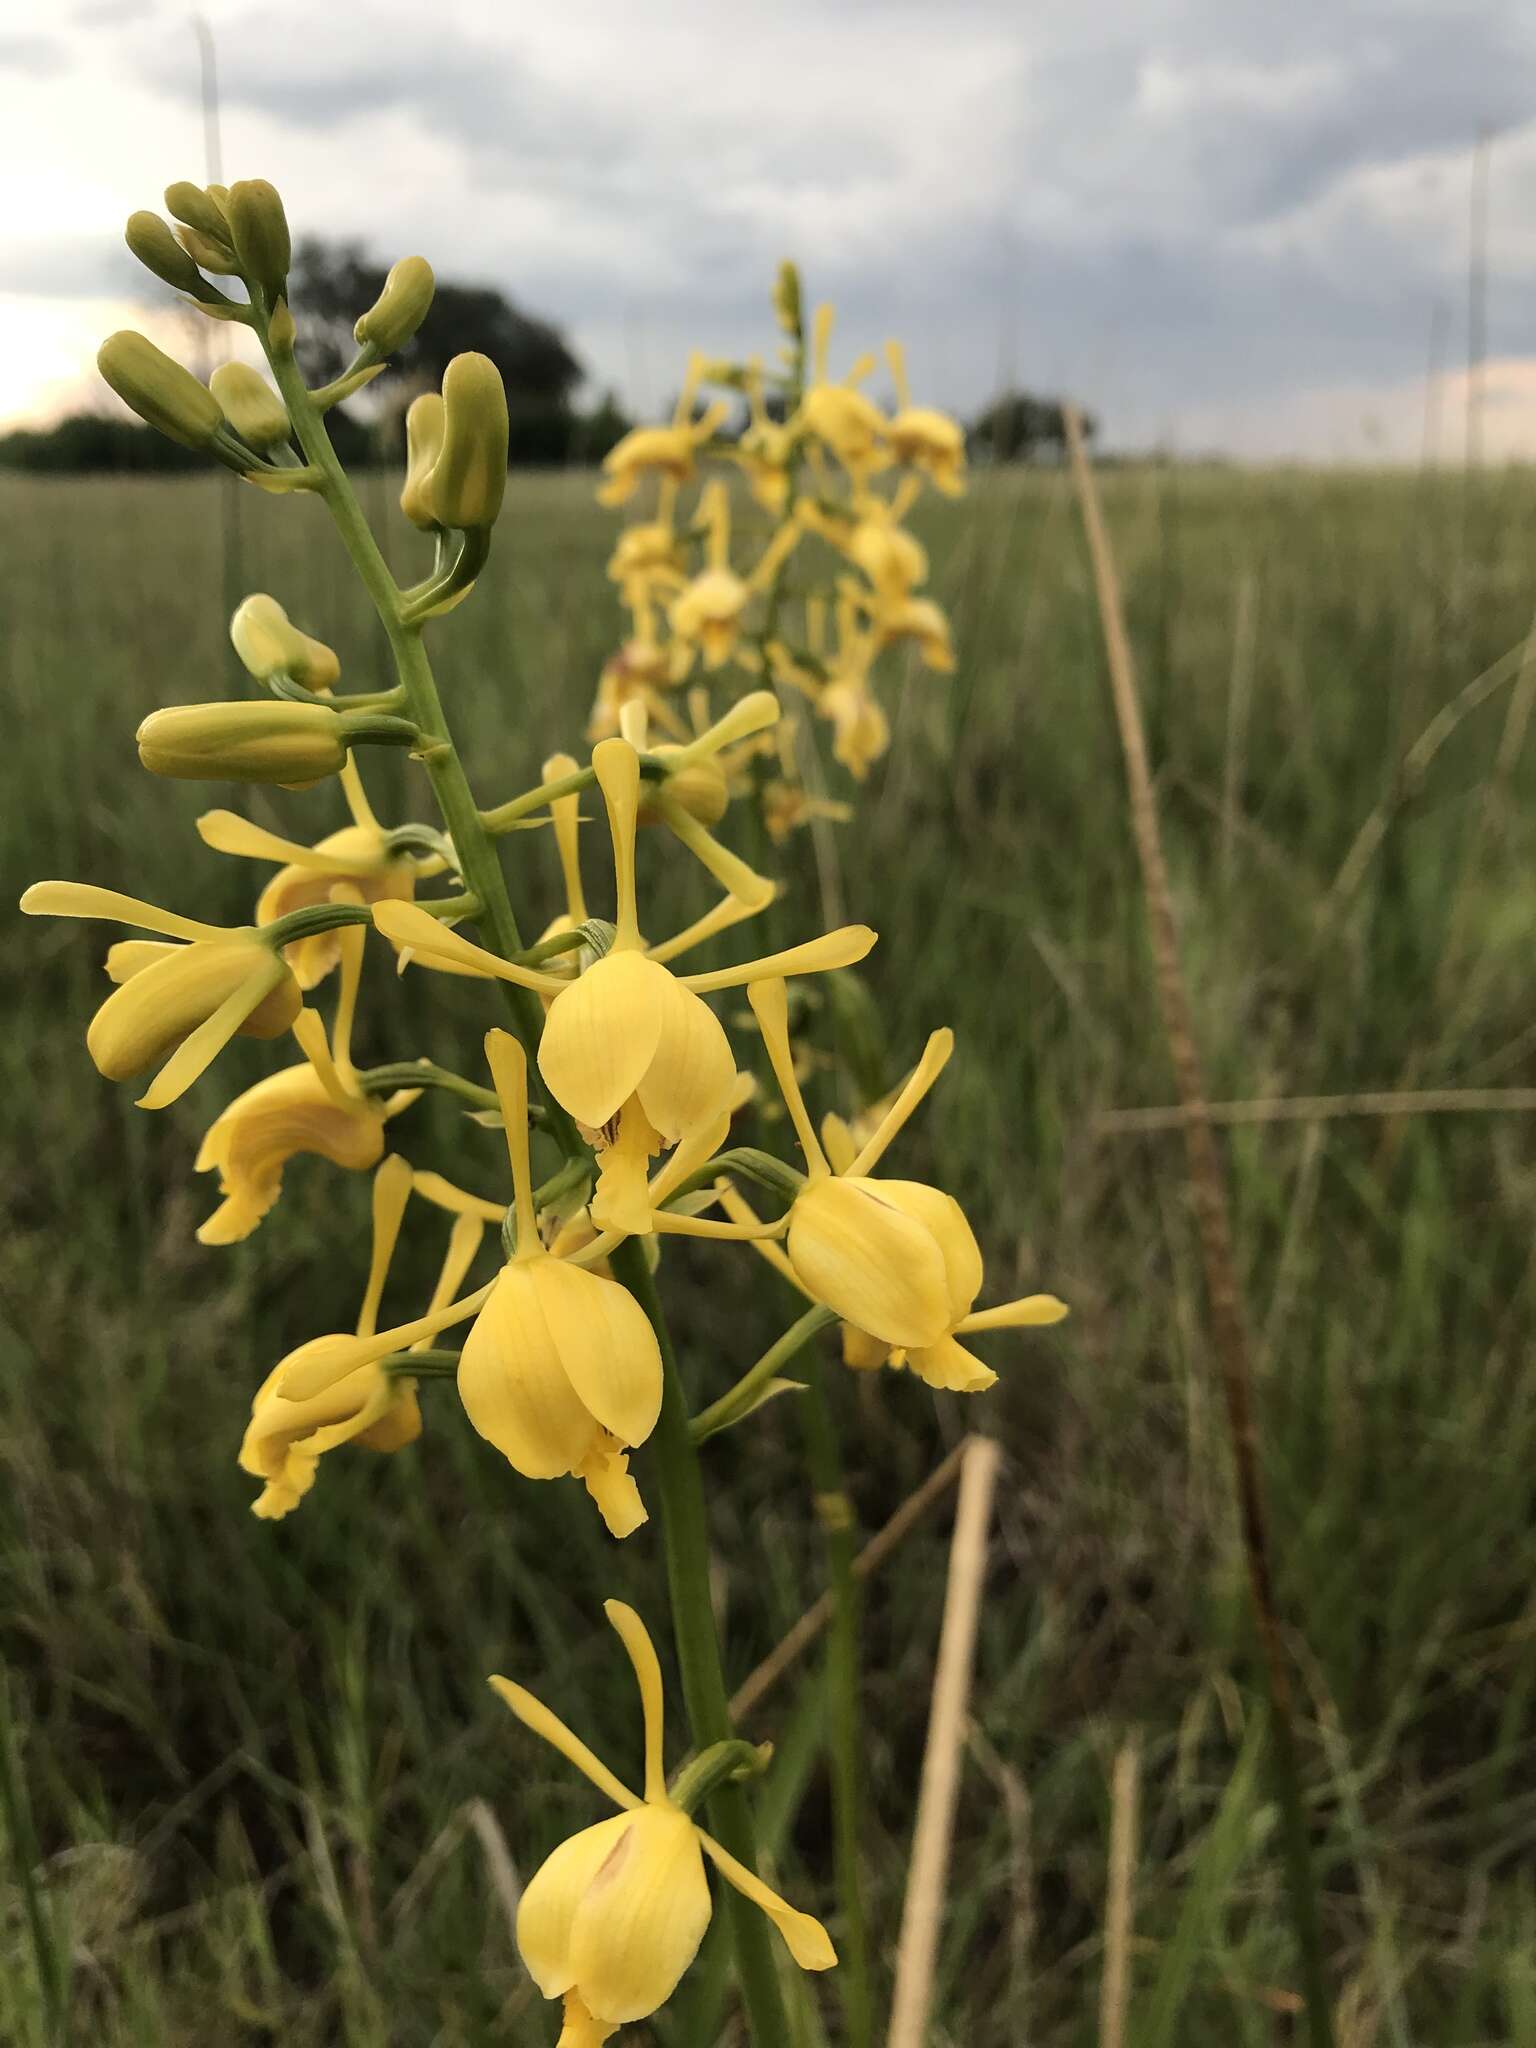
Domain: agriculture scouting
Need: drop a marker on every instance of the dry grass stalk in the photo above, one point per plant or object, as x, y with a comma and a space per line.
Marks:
791, 1647
1207, 1185
1124, 1816
923, 1910
1306, 1109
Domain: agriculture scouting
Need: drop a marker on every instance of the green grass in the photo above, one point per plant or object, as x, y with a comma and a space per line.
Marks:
247, 1761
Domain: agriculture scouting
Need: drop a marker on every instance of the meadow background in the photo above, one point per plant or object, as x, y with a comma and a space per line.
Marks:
258, 1789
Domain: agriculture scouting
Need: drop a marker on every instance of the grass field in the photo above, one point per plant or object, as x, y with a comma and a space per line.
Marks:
251, 1760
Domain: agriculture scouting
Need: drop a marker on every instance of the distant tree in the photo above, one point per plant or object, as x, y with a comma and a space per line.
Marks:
1019, 427
92, 443
599, 430
331, 283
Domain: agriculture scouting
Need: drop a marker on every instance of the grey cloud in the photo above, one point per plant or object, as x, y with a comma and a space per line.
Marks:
72, 267
1148, 203
37, 56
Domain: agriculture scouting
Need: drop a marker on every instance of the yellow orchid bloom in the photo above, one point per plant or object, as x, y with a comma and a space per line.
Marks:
181, 1003
918, 619
668, 452
861, 732
765, 450
922, 438
561, 1371
707, 613
789, 805
333, 1390
565, 814
895, 1259
869, 532
629, 1049
642, 672
313, 1107
649, 553
358, 854
694, 793
849, 425
612, 1919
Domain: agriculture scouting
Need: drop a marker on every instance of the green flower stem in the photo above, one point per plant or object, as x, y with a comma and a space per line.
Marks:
776, 1175
726, 1763
844, 1741
424, 1364
508, 816
685, 1538
425, 1074
475, 852
738, 1400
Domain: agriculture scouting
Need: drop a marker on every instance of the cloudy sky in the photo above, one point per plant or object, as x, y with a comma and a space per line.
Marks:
1220, 223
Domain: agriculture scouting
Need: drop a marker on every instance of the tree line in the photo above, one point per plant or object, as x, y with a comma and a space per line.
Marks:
549, 428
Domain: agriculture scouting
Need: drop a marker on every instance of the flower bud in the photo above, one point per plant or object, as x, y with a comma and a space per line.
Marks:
159, 251
208, 252
159, 390
250, 405
281, 331
400, 308
293, 744
259, 230
469, 476
270, 645
697, 785
786, 298
197, 208
424, 423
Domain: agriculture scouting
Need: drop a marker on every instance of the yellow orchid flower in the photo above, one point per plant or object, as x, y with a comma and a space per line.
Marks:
358, 854
649, 552
918, 619
707, 613
630, 1049
612, 1919
789, 805
314, 1107
861, 732
642, 672
561, 1371
895, 1259
849, 425
765, 450
842, 694
333, 1390
694, 792
668, 452
181, 1003
565, 814
869, 532
922, 438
